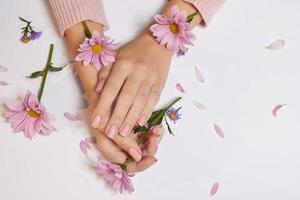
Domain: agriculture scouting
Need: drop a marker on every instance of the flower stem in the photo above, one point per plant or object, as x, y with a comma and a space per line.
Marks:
172, 103
86, 29
48, 64
190, 17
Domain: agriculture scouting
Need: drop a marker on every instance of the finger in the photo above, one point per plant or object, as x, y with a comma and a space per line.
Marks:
109, 150
109, 93
129, 145
152, 101
142, 165
102, 77
153, 140
136, 108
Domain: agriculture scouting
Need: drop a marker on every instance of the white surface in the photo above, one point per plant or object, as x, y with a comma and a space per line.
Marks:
257, 159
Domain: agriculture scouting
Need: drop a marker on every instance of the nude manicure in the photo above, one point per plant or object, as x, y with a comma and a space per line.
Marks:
142, 120
135, 154
125, 130
96, 121
99, 86
112, 131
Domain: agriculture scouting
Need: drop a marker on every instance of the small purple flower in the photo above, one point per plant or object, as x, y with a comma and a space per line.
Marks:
25, 39
173, 114
35, 35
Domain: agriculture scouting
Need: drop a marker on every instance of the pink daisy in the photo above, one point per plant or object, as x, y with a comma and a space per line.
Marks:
98, 51
29, 116
174, 32
115, 175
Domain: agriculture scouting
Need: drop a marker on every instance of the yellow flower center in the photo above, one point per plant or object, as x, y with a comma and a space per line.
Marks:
97, 48
174, 28
33, 114
172, 115
25, 40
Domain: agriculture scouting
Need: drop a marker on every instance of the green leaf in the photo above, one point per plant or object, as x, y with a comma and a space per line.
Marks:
157, 119
36, 74
140, 129
23, 20
56, 69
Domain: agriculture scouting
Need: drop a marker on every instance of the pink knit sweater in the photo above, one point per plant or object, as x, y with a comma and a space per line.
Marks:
70, 12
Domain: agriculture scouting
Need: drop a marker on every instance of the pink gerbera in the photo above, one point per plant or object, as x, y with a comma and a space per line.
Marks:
115, 175
29, 116
174, 32
98, 51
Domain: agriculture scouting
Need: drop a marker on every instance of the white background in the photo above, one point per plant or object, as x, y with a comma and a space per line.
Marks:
257, 160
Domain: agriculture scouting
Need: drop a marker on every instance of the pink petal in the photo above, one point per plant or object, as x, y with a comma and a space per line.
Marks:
278, 44
3, 69
180, 88
219, 130
199, 75
276, 109
199, 105
3, 83
84, 146
72, 117
214, 189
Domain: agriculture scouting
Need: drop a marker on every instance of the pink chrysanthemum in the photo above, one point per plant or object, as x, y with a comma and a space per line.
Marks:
29, 116
115, 175
174, 32
98, 51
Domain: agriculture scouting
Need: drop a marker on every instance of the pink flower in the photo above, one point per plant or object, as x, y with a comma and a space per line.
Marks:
98, 51
29, 116
115, 175
174, 32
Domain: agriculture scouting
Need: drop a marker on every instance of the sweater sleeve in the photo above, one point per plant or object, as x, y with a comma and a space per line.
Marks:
70, 12
206, 8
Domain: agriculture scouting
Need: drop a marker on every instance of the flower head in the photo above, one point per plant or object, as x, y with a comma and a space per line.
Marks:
173, 114
29, 116
25, 38
174, 32
34, 35
98, 51
115, 175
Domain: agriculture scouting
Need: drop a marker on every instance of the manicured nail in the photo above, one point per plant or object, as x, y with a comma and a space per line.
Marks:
157, 130
99, 86
112, 132
96, 121
142, 120
125, 130
156, 141
135, 154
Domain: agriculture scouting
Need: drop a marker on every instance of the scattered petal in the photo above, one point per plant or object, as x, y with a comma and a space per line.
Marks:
219, 130
72, 117
84, 146
180, 88
214, 189
199, 105
278, 44
3, 83
276, 109
199, 75
3, 69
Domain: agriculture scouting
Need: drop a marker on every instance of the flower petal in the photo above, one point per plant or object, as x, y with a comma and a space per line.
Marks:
276, 109
218, 130
3, 69
214, 189
199, 105
3, 83
15, 105
84, 146
72, 117
199, 75
276, 45
180, 88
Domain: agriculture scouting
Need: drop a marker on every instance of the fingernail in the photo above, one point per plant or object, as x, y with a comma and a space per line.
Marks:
157, 130
96, 121
135, 154
112, 131
156, 142
125, 129
142, 120
99, 86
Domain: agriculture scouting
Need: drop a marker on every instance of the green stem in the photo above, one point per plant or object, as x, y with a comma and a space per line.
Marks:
171, 104
191, 16
48, 64
124, 166
86, 29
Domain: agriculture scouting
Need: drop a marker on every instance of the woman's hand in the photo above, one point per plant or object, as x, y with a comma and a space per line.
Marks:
133, 87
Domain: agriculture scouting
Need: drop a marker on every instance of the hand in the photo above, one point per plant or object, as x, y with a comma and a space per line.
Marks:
133, 87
